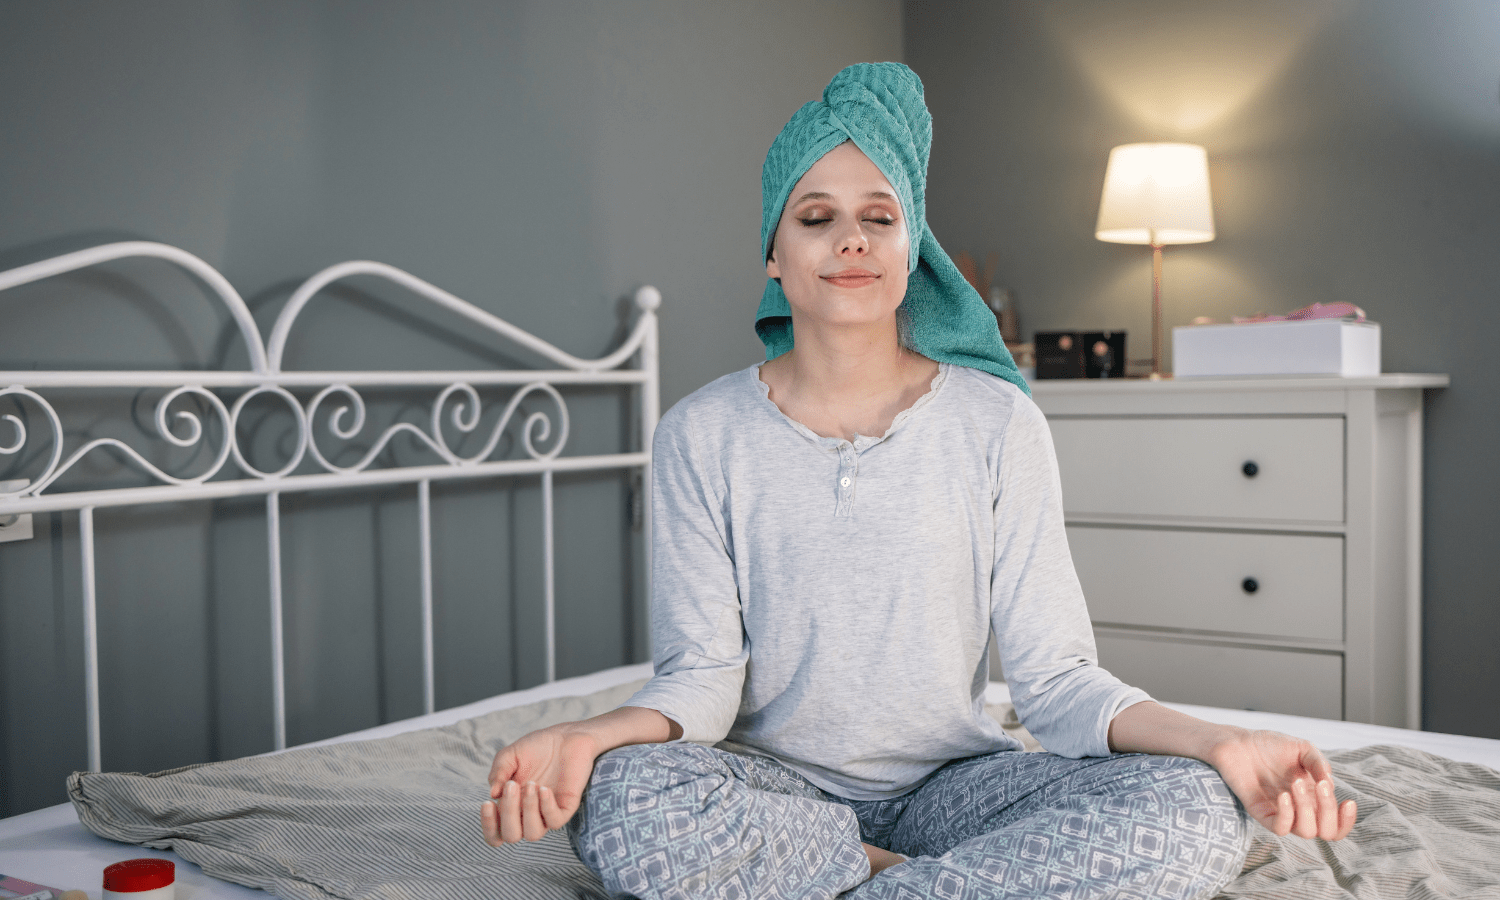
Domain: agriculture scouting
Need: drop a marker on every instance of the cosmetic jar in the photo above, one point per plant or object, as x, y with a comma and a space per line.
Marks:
140, 879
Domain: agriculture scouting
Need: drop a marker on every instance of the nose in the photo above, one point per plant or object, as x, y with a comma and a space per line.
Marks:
853, 242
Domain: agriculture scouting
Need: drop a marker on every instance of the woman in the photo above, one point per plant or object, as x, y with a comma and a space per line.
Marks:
838, 532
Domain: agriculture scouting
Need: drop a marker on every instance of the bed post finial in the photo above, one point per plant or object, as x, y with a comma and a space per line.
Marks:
648, 298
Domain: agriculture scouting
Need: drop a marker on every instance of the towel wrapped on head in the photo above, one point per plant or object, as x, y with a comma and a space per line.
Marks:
879, 106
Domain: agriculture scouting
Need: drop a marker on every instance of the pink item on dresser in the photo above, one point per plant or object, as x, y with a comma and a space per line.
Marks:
1340, 310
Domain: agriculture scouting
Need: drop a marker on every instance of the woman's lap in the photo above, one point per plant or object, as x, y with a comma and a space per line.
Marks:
989, 826
677, 820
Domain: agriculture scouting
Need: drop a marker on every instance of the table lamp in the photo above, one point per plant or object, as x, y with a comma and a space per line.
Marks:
1156, 194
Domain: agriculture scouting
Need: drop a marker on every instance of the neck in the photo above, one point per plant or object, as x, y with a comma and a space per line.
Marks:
842, 382
843, 362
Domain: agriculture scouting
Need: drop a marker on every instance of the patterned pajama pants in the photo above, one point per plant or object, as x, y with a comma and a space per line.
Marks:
679, 821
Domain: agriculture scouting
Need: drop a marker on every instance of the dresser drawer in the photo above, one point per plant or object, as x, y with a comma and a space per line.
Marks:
1195, 580
1283, 681
1191, 467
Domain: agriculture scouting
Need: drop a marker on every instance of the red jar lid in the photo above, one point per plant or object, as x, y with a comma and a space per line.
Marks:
135, 875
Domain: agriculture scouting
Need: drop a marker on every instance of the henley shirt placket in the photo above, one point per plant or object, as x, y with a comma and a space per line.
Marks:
847, 474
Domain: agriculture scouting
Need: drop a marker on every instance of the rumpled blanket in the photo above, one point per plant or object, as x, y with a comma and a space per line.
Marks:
1428, 827
398, 819
395, 818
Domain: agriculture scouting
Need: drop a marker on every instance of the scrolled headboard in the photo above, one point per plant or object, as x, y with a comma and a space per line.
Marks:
198, 409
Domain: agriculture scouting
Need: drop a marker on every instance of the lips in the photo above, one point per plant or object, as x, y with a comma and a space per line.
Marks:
852, 278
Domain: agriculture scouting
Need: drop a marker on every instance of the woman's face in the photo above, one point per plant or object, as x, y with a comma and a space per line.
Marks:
842, 244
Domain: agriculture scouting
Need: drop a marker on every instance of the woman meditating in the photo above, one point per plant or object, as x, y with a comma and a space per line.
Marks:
837, 533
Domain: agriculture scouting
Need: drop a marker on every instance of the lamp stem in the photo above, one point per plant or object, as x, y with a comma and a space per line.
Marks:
1155, 310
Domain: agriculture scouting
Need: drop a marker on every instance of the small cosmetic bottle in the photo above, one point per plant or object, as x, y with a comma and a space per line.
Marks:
140, 879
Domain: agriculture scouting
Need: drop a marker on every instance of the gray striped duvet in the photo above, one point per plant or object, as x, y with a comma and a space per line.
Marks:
397, 819
394, 819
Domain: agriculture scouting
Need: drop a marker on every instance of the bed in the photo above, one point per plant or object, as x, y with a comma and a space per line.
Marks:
51, 847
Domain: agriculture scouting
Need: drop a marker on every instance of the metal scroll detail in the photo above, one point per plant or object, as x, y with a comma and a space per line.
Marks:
168, 424
22, 435
459, 407
465, 411
456, 412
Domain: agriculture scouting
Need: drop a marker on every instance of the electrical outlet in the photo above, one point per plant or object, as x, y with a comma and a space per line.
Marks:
14, 528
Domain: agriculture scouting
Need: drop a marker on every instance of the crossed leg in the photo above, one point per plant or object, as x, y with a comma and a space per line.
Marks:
1039, 825
682, 821
678, 821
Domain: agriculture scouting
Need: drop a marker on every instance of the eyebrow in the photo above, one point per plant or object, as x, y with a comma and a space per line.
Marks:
822, 195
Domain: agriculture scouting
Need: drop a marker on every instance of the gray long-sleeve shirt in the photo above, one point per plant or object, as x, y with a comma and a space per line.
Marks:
830, 604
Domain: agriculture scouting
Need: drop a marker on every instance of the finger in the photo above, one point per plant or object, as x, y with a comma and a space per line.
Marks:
490, 822
1285, 813
501, 770
1316, 764
1306, 823
1328, 811
510, 812
532, 827
552, 814
1348, 812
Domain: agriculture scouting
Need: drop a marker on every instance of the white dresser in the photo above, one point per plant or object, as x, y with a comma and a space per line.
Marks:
1251, 543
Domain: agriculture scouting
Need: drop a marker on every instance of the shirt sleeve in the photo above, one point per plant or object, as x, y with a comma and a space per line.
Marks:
699, 638
1041, 622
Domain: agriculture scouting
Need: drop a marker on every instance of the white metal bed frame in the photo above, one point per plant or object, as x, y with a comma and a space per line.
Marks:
346, 421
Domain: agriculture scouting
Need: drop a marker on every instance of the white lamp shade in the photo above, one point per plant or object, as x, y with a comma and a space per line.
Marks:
1156, 194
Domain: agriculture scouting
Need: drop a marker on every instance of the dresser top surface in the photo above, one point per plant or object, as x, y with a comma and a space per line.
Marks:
1074, 386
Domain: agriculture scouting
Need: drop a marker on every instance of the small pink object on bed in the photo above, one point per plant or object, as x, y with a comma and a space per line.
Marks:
19, 889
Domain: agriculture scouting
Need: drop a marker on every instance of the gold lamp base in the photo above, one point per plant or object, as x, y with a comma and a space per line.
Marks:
1156, 374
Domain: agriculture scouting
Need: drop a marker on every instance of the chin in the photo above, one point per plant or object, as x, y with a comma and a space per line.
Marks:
857, 322
851, 311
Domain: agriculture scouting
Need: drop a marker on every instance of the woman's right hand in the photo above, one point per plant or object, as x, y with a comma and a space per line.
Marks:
537, 783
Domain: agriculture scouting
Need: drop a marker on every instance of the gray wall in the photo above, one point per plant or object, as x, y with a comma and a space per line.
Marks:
1354, 154
544, 159
539, 159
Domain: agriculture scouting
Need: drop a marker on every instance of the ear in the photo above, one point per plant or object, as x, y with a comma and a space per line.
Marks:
772, 269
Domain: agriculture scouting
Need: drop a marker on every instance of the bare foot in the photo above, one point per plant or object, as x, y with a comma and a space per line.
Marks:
880, 860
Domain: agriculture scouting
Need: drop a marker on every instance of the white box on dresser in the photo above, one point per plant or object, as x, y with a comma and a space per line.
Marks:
1298, 347
1251, 542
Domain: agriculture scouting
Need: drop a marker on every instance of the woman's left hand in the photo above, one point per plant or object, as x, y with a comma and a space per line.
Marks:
1285, 783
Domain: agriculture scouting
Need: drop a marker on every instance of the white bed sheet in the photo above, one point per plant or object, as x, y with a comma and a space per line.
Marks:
49, 847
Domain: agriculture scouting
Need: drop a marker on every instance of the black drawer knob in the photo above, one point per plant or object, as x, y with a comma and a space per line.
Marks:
1250, 585
1250, 468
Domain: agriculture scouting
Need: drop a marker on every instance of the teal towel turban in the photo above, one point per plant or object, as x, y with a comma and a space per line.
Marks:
879, 107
